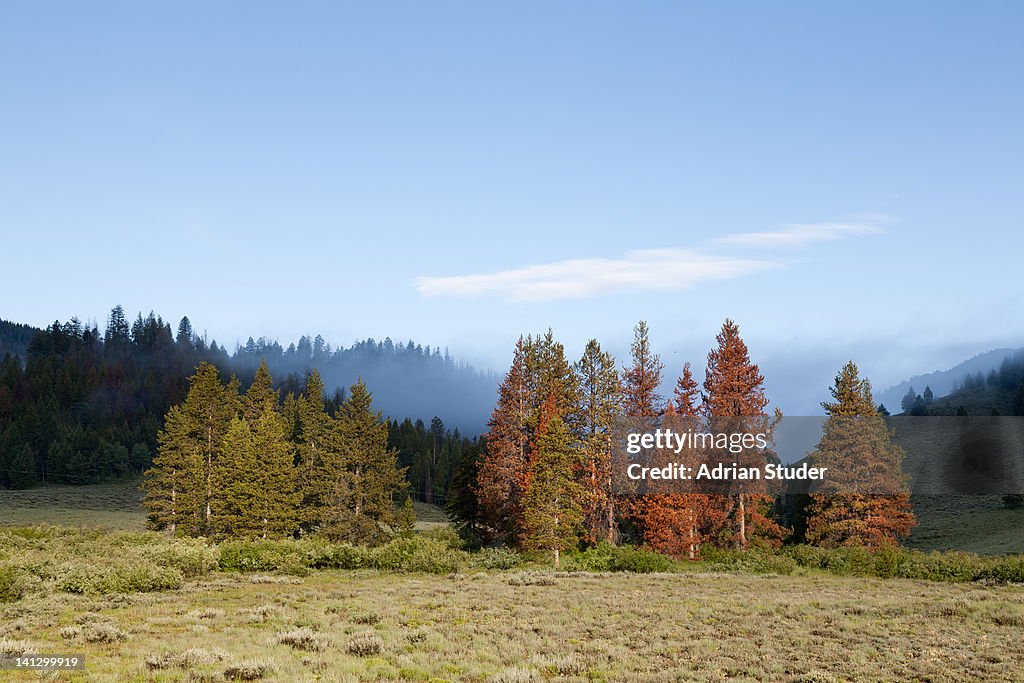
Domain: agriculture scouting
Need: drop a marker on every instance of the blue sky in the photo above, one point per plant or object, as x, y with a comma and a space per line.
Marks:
843, 179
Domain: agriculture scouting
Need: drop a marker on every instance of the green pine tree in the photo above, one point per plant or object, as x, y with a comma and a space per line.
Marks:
319, 454
180, 486
364, 488
256, 481
261, 395
553, 508
21, 473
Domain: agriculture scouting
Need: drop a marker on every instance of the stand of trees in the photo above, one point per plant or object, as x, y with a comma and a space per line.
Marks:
247, 465
544, 479
79, 404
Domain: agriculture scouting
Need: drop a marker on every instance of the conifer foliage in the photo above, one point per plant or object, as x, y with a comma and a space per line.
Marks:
734, 396
544, 481
241, 466
857, 445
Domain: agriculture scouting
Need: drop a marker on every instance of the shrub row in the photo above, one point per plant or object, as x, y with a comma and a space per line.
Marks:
415, 554
949, 566
132, 578
606, 557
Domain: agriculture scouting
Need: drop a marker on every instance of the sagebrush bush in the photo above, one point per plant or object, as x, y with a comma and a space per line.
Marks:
260, 613
15, 648
101, 632
186, 659
249, 671
303, 638
516, 675
533, 579
364, 644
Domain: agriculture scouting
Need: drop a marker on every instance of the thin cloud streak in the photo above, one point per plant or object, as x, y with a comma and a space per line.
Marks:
643, 270
799, 235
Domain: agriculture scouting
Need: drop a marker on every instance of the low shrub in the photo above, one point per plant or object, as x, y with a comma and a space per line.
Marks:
15, 648
102, 632
606, 557
303, 638
323, 555
186, 659
516, 675
248, 671
364, 644
1008, 569
12, 587
262, 556
192, 557
497, 558
417, 554
753, 561
135, 578
447, 535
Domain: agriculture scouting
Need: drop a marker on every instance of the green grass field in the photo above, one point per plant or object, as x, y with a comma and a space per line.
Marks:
521, 625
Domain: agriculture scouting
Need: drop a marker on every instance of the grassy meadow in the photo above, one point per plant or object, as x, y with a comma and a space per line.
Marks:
142, 607
517, 627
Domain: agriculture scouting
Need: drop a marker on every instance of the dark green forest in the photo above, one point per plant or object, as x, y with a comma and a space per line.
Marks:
79, 405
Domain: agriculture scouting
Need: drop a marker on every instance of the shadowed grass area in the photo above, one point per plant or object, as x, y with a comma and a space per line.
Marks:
115, 505
977, 524
366, 626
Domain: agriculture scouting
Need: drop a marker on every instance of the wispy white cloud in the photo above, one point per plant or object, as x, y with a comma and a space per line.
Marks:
645, 270
799, 234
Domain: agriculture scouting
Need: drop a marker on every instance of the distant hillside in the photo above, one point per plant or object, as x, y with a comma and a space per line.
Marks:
407, 379
1001, 390
15, 337
943, 382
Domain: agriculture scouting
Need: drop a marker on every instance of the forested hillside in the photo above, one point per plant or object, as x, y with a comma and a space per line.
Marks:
997, 392
943, 382
15, 338
407, 379
80, 405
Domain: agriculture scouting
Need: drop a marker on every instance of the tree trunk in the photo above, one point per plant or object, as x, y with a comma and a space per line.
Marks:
743, 522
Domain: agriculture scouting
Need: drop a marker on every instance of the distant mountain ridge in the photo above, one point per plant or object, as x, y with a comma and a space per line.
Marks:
943, 382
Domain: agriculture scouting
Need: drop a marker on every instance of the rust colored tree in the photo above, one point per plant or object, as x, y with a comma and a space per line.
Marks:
734, 398
503, 469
